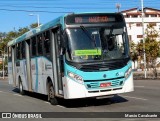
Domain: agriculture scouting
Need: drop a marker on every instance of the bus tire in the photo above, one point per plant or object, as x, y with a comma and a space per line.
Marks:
21, 91
54, 101
51, 95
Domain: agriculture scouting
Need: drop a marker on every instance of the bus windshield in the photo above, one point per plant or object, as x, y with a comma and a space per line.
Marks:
94, 44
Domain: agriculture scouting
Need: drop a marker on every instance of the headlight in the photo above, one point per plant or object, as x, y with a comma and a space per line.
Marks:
75, 77
128, 72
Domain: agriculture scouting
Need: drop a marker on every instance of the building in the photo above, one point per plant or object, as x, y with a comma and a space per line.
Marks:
134, 21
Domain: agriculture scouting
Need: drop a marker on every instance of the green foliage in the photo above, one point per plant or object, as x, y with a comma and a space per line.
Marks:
22, 31
6, 37
152, 47
34, 25
133, 51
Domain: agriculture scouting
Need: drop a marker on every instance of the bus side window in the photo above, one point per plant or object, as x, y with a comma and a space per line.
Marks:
40, 44
23, 49
34, 50
47, 43
18, 47
9, 54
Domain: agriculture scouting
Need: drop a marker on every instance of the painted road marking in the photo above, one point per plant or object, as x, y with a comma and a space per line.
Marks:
4, 92
47, 102
18, 95
10, 93
60, 106
139, 86
56, 105
135, 98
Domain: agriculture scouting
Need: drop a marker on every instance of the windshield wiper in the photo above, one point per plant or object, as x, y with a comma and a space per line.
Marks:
88, 35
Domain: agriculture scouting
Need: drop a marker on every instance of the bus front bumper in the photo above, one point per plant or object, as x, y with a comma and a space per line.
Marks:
73, 90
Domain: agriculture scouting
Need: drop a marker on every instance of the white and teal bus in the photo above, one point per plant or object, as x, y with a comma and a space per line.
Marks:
78, 55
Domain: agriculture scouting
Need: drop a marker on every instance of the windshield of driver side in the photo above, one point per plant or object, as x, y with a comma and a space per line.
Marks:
90, 44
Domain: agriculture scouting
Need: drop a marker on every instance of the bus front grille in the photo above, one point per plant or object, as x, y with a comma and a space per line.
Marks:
103, 66
96, 84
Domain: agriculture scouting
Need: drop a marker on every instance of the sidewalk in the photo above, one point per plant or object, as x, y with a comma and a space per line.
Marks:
149, 74
5, 78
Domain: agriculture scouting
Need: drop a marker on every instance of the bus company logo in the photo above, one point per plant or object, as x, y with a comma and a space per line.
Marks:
104, 76
48, 67
6, 115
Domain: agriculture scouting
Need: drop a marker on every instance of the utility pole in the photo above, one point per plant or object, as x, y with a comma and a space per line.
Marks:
144, 53
37, 15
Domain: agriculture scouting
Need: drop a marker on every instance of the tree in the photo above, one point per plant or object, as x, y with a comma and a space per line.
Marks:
22, 31
133, 52
34, 25
6, 37
2, 36
152, 48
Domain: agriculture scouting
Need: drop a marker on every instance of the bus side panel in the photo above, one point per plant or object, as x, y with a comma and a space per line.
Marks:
41, 69
18, 73
47, 72
34, 73
13, 64
10, 73
23, 74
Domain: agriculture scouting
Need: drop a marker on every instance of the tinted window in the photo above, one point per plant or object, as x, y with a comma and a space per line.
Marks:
34, 52
47, 42
40, 44
18, 48
9, 54
23, 49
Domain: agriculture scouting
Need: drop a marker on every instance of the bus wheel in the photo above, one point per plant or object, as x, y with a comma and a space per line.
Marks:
51, 97
21, 91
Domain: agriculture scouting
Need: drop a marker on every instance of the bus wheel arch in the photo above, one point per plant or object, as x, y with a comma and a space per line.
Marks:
50, 92
21, 90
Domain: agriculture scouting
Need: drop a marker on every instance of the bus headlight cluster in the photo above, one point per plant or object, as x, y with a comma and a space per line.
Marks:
128, 72
75, 77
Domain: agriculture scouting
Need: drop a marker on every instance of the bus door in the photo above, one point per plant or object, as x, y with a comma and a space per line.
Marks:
14, 65
58, 66
28, 65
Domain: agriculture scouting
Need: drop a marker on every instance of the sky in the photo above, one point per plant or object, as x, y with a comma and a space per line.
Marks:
14, 14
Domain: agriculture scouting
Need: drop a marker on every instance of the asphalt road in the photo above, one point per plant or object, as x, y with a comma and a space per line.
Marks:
145, 98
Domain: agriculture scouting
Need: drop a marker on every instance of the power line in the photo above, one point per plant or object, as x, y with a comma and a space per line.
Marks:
35, 11
83, 3
76, 5
67, 7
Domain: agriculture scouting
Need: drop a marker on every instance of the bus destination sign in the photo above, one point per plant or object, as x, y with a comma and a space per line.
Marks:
91, 19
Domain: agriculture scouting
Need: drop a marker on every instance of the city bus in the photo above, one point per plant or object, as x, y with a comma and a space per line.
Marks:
78, 55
